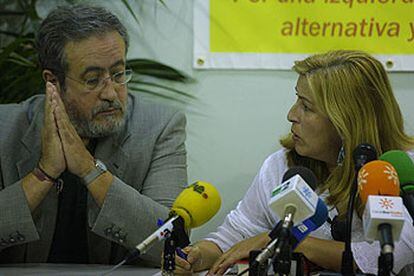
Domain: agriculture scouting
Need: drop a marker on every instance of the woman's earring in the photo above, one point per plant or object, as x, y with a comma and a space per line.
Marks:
341, 156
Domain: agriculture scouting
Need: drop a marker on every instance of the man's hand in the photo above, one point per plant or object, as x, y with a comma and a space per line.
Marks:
52, 159
78, 159
239, 251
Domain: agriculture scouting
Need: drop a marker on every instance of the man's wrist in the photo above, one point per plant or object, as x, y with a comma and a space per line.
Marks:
47, 171
89, 169
98, 169
43, 176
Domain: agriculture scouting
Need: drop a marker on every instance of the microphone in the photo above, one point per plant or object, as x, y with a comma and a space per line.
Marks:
383, 216
194, 206
404, 166
274, 234
299, 232
378, 178
338, 229
284, 190
361, 155
294, 199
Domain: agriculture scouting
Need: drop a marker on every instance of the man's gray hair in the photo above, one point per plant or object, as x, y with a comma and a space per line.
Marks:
72, 23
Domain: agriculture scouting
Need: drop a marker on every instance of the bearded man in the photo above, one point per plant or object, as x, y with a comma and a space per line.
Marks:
87, 168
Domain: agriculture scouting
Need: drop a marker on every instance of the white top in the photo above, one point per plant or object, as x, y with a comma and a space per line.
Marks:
253, 216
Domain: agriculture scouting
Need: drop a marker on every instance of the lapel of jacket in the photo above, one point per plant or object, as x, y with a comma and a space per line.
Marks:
44, 216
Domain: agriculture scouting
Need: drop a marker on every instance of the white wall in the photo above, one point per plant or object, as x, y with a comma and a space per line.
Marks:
238, 116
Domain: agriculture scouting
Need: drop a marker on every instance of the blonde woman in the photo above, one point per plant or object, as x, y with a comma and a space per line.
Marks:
344, 98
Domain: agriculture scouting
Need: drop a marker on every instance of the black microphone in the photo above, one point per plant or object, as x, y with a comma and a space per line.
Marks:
304, 172
361, 155
338, 229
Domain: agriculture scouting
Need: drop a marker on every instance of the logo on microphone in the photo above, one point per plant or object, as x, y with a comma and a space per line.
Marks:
199, 189
392, 174
362, 178
281, 188
386, 203
166, 233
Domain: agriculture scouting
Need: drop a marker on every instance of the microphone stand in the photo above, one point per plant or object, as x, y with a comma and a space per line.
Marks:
362, 154
259, 259
386, 258
347, 267
384, 261
168, 266
283, 254
256, 268
178, 238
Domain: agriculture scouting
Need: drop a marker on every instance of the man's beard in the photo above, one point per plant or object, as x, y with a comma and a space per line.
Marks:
89, 128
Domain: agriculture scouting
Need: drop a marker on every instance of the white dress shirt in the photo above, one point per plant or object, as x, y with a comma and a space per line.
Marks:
253, 216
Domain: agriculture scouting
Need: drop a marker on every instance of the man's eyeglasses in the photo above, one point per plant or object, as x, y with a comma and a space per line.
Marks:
97, 83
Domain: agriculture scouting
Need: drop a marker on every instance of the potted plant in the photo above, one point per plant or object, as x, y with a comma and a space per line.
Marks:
20, 75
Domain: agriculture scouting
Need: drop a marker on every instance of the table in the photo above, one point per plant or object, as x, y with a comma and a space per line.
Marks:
72, 269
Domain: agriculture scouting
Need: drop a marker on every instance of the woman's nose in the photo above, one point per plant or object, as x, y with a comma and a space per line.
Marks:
292, 114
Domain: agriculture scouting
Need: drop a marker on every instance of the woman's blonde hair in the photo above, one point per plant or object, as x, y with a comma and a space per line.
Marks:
352, 89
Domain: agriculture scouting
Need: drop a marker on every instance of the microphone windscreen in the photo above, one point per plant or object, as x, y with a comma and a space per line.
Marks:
404, 166
305, 173
377, 178
197, 204
321, 214
363, 154
302, 230
338, 229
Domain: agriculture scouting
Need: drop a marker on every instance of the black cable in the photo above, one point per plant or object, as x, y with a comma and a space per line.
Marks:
243, 272
114, 268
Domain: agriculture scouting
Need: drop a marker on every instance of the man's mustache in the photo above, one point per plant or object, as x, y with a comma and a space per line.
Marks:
105, 106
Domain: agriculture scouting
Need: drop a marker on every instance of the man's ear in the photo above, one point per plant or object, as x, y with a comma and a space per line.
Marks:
48, 76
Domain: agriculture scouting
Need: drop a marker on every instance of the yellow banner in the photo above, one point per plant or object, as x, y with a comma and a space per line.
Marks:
311, 26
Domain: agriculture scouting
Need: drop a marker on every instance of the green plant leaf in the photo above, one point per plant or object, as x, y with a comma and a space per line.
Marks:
179, 92
152, 92
19, 59
5, 52
23, 77
125, 2
156, 69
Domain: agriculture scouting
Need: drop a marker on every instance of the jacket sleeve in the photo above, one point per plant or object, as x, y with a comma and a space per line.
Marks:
17, 225
16, 222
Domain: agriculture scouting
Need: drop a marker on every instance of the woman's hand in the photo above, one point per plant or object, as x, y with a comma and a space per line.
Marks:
189, 265
200, 256
239, 251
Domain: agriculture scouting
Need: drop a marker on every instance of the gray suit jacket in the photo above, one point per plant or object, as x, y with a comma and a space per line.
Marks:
148, 159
